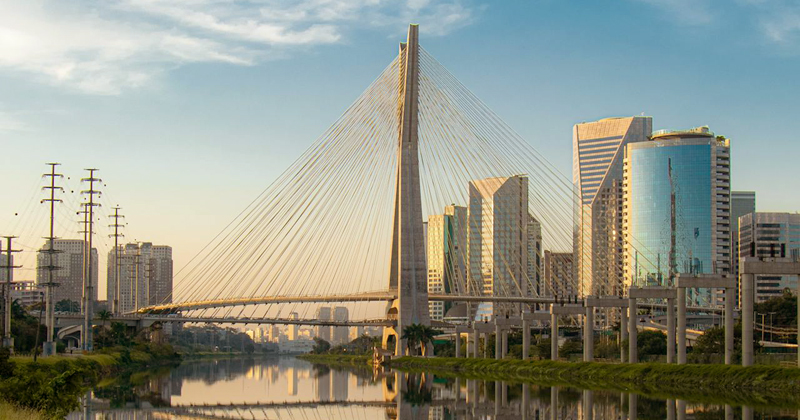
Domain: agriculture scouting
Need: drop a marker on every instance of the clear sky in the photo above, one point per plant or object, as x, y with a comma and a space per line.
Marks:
191, 108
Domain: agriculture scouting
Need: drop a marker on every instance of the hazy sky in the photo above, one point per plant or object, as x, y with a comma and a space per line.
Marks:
191, 108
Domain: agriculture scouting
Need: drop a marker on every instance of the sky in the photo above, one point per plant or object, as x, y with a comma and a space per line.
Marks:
191, 108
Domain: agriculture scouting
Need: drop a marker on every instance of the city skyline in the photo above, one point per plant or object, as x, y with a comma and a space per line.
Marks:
168, 117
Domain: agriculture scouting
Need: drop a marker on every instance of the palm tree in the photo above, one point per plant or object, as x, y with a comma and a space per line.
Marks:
418, 336
104, 316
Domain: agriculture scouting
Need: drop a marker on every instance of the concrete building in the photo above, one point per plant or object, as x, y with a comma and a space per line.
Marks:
69, 274
497, 241
446, 255
323, 332
535, 269
559, 275
597, 153
770, 235
340, 334
694, 167
742, 203
292, 330
145, 275
26, 292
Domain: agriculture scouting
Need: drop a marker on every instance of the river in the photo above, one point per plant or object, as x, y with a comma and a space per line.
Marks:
288, 388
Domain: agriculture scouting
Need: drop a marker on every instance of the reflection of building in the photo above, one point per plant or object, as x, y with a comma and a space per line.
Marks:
446, 249
770, 235
323, 332
339, 384
323, 389
559, 279
69, 274
695, 165
498, 225
340, 335
742, 203
597, 153
291, 378
145, 275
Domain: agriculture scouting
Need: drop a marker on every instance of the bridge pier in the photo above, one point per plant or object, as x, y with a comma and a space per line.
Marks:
555, 311
709, 281
588, 335
635, 293
623, 332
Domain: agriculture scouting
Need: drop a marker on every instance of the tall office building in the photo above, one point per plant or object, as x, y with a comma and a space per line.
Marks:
559, 275
692, 168
323, 332
770, 235
145, 275
742, 203
597, 153
497, 241
446, 256
69, 275
293, 330
340, 333
534, 246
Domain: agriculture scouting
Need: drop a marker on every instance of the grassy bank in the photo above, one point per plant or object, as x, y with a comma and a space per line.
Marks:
757, 385
337, 359
10, 412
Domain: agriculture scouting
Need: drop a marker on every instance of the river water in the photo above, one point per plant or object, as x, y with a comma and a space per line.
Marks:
288, 388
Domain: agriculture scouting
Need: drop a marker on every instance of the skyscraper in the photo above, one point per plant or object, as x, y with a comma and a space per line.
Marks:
340, 333
597, 153
446, 244
742, 203
69, 275
145, 275
498, 238
770, 235
559, 274
323, 332
690, 172
534, 246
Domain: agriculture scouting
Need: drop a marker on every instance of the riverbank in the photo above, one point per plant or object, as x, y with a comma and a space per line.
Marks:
338, 359
52, 386
10, 412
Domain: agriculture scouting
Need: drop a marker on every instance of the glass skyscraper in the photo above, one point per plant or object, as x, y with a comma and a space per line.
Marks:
690, 171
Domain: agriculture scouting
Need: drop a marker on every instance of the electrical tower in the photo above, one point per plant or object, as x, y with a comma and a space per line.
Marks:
9, 267
116, 235
49, 346
88, 232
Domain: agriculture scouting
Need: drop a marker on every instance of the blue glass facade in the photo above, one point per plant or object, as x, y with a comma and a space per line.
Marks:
649, 216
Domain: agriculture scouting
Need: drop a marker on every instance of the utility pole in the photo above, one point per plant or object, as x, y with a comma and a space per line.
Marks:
116, 216
8, 341
88, 289
49, 346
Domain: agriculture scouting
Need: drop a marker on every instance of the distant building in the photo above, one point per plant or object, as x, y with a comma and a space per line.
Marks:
534, 245
292, 332
770, 235
559, 275
446, 250
323, 332
340, 334
598, 149
69, 275
26, 292
742, 203
145, 276
695, 164
498, 241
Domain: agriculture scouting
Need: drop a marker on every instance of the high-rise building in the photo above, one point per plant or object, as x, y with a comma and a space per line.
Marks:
742, 203
323, 332
770, 235
25, 292
690, 172
446, 249
292, 330
145, 275
498, 240
535, 287
340, 333
559, 275
597, 153
69, 274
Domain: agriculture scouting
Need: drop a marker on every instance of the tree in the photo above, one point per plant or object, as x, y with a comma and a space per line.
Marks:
418, 336
651, 343
320, 346
570, 347
67, 305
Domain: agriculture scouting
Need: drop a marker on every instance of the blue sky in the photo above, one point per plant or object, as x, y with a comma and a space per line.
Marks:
191, 108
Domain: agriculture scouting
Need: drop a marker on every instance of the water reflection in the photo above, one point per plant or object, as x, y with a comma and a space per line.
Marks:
279, 388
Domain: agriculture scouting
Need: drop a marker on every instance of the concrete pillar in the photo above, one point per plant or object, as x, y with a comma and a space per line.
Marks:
681, 326
458, 389
526, 400
633, 400
588, 405
728, 408
747, 321
681, 406
671, 331
553, 337
633, 354
554, 403
504, 334
623, 332
498, 342
729, 332
458, 343
498, 397
485, 345
526, 339
670, 409
747, 413
588, 335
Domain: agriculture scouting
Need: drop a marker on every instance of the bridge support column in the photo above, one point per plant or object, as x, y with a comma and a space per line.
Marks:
681, 325
633, 402
623, 333
681, 409
474, 343
554, 337
729, 328
747, 320
588, 335
458, 343
633, 353
671, 331
498, 342
526, 339
505, 343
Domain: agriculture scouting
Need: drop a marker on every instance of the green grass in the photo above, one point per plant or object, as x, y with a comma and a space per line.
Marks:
10, 412
337, 359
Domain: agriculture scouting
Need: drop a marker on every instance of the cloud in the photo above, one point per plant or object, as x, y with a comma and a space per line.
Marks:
10, 122
687, 12
109, 47
779, 20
